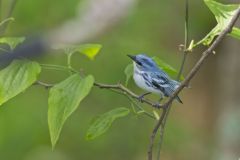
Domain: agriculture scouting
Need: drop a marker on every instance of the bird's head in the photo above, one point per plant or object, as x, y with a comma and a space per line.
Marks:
143, 62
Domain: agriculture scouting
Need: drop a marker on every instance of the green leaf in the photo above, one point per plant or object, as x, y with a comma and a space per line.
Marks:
223, 15
128, 72
17, 77
172, 72
235, 33
12, 41
90, 50
64, 98
103, 122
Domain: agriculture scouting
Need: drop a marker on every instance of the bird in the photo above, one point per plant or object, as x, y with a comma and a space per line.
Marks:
149, 77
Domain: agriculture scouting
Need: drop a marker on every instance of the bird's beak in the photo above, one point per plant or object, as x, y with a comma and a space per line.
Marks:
132, 57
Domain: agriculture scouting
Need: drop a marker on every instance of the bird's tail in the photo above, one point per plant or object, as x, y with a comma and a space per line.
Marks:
179, 100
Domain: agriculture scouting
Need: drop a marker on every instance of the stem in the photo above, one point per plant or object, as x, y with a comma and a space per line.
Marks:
1, 10
6, 20
132, 101
58, 67
186, 39
141, 108
8, 15
69, 60
46, 85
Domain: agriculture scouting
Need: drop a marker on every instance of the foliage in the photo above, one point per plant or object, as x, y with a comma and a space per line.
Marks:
64, 98
128, 72
103, 122
223, 14
172, 72
17, 77
12, 41
90, 50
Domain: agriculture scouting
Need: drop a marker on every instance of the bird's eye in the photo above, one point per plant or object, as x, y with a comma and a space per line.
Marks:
139, 63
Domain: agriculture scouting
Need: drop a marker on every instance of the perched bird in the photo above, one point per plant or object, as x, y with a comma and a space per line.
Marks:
148, 76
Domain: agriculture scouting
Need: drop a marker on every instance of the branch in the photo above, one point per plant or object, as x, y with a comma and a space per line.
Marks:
192, 73
119, 87
126, 91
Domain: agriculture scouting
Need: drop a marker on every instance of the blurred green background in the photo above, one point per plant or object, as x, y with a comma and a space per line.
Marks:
154, 27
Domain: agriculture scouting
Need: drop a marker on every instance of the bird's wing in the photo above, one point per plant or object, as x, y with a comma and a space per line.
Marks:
165, 84
160, 81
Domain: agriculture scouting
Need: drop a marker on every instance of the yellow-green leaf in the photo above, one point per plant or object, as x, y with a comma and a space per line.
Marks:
103, 122
223, 15
128, 72
17, 77
90, 50
64, 98
12, 41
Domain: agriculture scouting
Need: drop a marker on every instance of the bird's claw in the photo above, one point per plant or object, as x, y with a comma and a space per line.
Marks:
141, 97
157, 105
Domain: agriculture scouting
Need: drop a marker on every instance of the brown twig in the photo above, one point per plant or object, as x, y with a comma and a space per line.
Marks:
192, 73
119, 87
127, 91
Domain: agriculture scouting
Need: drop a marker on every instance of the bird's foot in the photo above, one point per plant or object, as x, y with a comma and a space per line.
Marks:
141, 97
157, 105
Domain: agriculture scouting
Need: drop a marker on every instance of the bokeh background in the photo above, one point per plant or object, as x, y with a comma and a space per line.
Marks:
206, 126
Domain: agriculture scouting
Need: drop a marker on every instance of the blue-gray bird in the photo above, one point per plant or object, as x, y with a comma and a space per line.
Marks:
148, 76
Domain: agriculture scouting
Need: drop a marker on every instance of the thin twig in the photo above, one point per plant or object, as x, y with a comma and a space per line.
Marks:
141, 108
8, 15
127, 91
185, 53
192, 73
186, 37
1, 10
46, 85
132, 101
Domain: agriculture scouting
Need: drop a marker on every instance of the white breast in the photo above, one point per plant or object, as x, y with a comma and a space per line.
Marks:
139, 80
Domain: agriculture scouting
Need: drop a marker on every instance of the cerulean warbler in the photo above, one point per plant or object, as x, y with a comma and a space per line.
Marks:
148, 76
